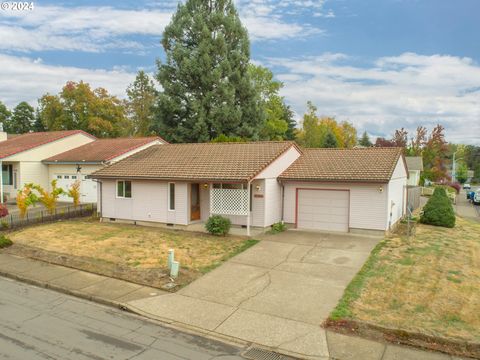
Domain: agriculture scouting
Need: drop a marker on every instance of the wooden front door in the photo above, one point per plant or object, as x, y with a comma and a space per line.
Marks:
195, 202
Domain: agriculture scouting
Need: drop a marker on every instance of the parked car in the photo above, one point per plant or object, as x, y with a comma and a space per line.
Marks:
470, 195
476, 198
467, 186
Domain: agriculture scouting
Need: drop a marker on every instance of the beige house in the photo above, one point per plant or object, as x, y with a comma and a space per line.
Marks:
415, 168
257, 184
76, 164
21, 157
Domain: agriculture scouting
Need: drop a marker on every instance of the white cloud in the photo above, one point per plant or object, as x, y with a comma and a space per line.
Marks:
25, 79
406, 90
95, 29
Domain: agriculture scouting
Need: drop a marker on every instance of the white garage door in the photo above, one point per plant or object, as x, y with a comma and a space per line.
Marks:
88, 187
323, 210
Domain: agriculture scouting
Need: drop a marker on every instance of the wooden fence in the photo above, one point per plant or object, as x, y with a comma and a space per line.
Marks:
413, 197
36, 216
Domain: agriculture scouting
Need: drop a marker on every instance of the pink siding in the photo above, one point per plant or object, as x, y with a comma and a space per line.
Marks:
368, 206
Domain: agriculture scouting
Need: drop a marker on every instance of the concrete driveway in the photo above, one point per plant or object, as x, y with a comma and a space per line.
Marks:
275, 294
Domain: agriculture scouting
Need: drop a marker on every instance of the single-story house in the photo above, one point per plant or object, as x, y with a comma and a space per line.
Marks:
77, 163
256, 184
415, 167
21, 157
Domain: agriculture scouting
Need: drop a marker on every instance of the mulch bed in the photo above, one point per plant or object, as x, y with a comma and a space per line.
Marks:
154, 277
402, 337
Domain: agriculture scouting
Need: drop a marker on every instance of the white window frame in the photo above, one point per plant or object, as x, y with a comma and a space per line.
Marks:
174, 196
116, 189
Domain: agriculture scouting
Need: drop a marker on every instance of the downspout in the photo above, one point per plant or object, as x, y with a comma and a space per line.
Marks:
248, 206
283, 203
100, 199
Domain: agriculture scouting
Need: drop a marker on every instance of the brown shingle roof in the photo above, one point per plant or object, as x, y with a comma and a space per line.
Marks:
373, 164
29, 141
101, 150
210, 161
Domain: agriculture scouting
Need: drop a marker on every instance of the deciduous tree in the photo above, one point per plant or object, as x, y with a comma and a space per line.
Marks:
140, 104
77, 106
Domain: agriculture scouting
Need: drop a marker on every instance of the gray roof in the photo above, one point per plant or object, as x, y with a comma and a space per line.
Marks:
414, 163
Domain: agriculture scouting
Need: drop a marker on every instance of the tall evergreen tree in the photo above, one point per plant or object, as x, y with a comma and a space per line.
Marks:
4, 115
206, 86
291, 133
141, 100
38, 124
330, 140
21, 120
365, 140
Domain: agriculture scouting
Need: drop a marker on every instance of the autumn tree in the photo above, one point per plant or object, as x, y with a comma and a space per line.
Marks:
400, 138
140, 104
207, 89
77, 106
435, 155
315, 130
418, 141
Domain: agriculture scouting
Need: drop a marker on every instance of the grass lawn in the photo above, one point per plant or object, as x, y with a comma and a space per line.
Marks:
135, 247
430, 285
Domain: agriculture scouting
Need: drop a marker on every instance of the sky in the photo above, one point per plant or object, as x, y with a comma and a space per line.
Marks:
380, 64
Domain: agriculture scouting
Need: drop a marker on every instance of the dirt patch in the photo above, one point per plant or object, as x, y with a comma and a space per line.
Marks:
133, 253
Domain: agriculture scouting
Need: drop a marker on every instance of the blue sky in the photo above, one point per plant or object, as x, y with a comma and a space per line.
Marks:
380, 64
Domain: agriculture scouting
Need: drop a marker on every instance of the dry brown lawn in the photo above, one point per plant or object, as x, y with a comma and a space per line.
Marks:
429, 285
133, 246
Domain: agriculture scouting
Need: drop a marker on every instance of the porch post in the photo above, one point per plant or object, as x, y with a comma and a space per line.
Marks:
248, 208
1, 182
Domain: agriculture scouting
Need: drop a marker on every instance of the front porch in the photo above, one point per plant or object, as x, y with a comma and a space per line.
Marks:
242, 203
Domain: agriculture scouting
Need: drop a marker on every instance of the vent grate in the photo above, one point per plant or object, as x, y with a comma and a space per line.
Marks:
255, 353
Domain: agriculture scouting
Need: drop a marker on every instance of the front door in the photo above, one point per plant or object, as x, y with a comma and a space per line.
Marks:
195, 202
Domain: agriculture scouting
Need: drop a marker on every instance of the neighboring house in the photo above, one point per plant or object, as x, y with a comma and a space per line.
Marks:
257, 184
345, 189
415, 167
21, 157
75, 164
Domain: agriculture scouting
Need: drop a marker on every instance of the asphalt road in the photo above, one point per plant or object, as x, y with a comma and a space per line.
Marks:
37, 323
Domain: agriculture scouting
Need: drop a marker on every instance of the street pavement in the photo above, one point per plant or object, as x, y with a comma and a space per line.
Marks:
466, 209
37, 323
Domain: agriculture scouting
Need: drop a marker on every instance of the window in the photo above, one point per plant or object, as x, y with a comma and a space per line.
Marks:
124, 189
171, 196
74, 177
7, 176
59, 176
229, 186
66, 177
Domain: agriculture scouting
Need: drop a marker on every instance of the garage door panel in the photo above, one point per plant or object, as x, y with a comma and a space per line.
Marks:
323, 209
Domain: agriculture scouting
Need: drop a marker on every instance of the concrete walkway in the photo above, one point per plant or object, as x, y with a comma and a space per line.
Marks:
275, 294
82, 284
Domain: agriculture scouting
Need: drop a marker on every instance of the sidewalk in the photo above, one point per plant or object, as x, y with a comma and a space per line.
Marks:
119, 293
82, 284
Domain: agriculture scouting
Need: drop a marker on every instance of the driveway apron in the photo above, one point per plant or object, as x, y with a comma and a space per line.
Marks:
275, 294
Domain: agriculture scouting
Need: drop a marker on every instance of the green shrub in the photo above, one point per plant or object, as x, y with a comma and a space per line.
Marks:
4, 225
438, 210
5, 242
218, 225
278, 227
